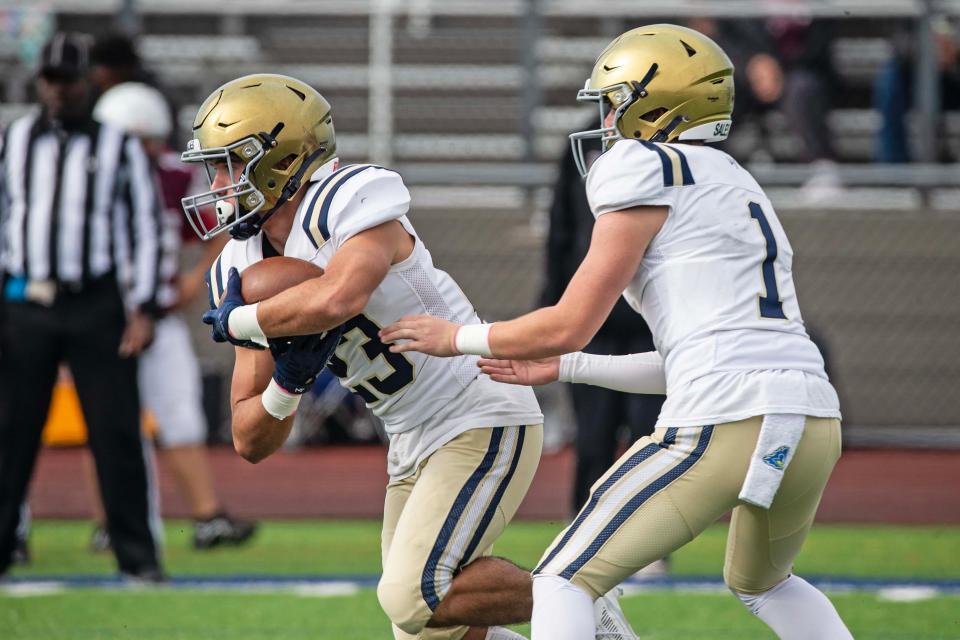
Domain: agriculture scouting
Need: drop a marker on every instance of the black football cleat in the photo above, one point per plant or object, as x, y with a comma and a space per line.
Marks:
221, 529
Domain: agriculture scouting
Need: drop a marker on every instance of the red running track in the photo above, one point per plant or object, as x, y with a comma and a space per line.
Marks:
868, 486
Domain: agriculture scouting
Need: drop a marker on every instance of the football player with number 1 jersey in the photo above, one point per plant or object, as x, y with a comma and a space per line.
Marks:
463, 449
751, 421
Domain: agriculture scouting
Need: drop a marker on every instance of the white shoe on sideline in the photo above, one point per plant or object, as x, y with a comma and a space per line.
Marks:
609, 618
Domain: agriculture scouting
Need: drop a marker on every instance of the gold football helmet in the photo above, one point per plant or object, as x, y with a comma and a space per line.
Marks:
663, 82
270, 132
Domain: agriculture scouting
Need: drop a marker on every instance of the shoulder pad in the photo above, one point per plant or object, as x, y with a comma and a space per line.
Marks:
636, 173
352, 199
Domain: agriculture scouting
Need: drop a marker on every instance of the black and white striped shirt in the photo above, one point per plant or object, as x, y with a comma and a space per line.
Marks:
79, 204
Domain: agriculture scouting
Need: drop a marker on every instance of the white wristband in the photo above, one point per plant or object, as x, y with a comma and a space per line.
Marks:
474, 339
243, 324
279, 402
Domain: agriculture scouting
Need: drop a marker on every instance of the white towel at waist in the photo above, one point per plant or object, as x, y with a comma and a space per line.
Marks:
779, 436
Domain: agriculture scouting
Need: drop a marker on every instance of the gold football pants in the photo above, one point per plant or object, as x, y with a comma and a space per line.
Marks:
448, 514
672, 485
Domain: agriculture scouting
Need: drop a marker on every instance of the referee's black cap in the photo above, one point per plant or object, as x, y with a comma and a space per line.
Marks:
66, 56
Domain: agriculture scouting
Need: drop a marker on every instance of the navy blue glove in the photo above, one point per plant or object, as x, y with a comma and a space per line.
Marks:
219, 317
300, 359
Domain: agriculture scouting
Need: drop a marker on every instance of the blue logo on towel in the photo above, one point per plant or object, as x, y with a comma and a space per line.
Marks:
777, 459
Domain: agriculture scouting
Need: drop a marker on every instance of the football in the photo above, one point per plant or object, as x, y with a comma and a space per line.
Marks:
269, 277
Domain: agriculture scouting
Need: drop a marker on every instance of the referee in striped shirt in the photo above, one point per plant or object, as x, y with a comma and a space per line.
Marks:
80, 226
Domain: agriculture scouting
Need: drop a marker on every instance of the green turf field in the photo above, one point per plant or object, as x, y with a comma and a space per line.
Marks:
352, 548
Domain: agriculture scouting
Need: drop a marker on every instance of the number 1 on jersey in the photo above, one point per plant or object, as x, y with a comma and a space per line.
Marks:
770, 305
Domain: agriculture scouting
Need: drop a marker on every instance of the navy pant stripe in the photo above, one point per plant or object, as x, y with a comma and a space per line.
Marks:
497, 497
670, 437
428, 587
636, 502
595, 496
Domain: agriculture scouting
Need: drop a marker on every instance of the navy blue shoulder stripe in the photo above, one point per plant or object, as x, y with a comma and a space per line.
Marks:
218, 280
684, 167
668, 178
669, 155
210, 297
316, 223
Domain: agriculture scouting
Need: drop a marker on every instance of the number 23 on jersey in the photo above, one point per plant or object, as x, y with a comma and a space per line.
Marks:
365, 332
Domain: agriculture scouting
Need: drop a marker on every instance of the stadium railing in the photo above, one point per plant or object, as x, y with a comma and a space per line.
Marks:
876, 264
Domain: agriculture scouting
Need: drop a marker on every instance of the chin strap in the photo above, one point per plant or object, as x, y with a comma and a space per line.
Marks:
664, 134
246, 230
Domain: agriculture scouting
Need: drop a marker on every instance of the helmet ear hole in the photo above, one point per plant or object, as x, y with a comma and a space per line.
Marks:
284, 163
654, 115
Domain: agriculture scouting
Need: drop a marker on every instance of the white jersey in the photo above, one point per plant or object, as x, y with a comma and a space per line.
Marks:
443, 396
715, 286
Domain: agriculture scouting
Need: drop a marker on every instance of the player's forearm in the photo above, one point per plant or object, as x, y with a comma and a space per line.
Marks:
311, 307
634, 373
540, 334
257, 434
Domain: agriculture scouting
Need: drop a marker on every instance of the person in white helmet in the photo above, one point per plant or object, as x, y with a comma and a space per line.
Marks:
170, 385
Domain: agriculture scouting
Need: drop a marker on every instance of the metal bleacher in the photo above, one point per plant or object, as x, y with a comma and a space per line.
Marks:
457, 75
879, 259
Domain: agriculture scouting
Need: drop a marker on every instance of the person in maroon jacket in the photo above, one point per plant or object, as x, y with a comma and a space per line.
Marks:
170, 384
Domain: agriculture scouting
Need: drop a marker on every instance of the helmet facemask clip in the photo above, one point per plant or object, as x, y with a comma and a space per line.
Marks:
270, 139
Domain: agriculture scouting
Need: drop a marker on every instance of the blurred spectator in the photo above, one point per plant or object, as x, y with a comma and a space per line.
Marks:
170, 383
894, 88
600, 413
114, 60
80, 252
784, 63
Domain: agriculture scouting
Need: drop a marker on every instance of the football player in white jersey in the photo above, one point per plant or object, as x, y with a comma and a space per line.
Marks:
751, 422
463, 449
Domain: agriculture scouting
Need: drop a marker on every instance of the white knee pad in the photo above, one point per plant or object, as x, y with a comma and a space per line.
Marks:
403, 604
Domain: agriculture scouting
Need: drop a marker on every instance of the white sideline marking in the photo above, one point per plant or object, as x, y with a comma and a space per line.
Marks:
327, 590
31, 589
907, 594
318, 587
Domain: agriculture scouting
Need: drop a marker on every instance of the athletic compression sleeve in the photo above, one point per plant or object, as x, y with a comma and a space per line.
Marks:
634, 373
